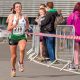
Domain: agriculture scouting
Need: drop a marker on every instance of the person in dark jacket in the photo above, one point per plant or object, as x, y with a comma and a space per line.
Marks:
50, 41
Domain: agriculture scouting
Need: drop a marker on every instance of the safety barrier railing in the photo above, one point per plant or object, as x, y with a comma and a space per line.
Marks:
64, 49
34, 51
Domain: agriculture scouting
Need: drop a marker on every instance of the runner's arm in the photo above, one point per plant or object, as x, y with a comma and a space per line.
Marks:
10, 23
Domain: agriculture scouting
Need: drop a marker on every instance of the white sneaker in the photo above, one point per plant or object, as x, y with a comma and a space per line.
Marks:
13, 73
71, 67
21, 67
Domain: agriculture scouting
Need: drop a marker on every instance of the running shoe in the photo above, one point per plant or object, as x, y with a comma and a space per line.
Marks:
21, 67
13, 73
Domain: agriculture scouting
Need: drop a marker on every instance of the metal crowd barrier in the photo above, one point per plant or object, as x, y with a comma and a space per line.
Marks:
64, 49
34, 51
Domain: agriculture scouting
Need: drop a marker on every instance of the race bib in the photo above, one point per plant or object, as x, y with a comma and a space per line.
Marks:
19, 30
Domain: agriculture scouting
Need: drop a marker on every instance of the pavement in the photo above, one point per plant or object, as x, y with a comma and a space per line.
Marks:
33, 71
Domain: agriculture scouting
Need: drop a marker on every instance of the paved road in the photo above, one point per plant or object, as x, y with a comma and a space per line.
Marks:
32, 71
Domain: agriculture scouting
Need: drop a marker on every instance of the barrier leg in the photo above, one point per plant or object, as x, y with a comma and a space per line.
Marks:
34, 57
29, 51
31, 55
65, 66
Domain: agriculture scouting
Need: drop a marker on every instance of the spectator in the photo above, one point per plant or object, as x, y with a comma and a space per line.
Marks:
49, 20
50, 7
42, 13
74, 19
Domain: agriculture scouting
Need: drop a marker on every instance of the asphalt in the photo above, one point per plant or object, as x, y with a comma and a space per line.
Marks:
33, 71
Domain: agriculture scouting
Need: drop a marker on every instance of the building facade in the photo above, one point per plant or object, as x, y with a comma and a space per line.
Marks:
30, 7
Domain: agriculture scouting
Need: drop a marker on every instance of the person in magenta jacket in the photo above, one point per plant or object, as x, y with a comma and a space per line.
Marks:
74, 19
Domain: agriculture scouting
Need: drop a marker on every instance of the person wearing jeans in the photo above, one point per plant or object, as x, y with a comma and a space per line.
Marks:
50, 43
